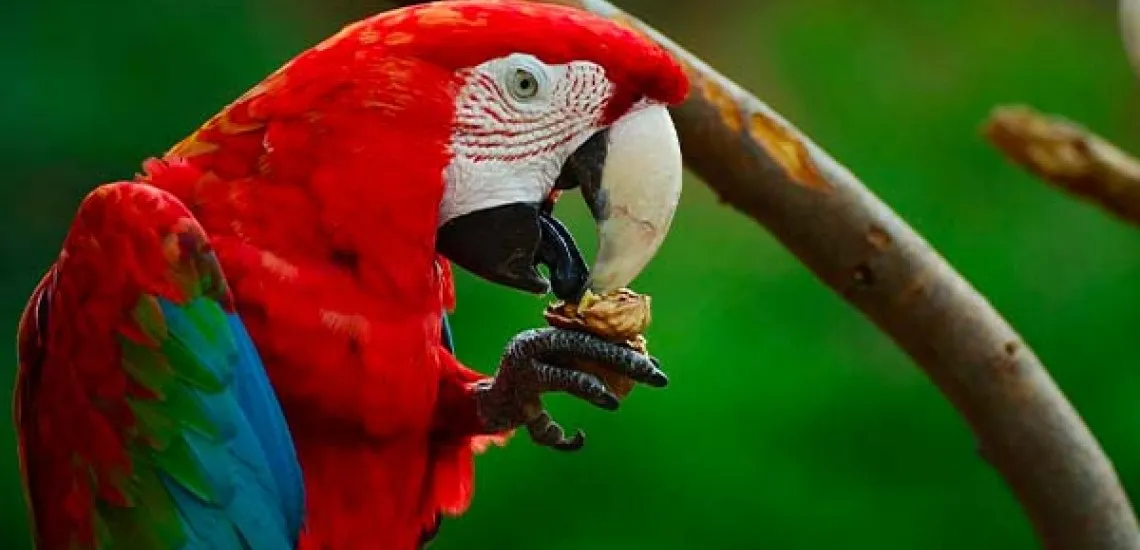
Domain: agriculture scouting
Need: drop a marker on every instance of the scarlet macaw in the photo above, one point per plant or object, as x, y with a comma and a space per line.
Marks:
308, 228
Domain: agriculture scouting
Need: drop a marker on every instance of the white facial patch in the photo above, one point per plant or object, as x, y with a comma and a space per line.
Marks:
517, 121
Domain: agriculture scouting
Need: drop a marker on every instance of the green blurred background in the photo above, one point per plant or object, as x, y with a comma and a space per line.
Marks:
791, 423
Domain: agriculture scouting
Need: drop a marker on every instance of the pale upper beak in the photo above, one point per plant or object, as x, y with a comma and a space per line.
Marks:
630, 177
636, 196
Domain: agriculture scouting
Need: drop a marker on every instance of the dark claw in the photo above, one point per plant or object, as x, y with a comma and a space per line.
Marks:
546, 432
552, 343
573, 444
608, 401
658, 379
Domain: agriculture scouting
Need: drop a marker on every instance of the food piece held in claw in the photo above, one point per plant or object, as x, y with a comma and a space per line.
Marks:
620, 316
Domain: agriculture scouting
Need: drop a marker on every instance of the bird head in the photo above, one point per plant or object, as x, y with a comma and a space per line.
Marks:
549, 99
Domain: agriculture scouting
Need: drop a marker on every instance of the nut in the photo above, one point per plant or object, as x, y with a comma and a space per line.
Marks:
620, 316
616, 316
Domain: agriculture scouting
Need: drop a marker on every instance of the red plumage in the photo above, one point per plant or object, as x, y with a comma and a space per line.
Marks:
320, 190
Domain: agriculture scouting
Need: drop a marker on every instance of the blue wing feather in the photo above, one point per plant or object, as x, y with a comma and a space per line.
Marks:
257, 399
250, 462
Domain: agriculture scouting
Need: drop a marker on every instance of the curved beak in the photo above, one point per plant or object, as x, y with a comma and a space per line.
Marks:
630, 176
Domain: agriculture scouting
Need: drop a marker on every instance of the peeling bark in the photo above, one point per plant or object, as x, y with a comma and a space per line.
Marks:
767, 169
1069, 157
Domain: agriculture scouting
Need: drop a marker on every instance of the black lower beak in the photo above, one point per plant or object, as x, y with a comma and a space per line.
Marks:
559, 253
505, 244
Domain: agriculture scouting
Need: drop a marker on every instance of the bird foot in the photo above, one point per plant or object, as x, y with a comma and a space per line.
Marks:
541, 361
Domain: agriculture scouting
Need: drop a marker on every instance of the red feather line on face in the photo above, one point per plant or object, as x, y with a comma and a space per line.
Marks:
488, 126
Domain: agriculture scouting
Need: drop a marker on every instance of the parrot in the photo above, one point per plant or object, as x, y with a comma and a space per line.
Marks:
246, 344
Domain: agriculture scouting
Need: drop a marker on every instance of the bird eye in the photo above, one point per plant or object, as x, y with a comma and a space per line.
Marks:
523, 84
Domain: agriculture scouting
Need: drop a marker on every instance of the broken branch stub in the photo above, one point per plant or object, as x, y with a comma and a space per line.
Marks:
1069, 157
765, 168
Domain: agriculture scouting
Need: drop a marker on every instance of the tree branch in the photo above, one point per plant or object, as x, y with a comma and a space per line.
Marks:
1070, 157
767, 169
1130, 31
